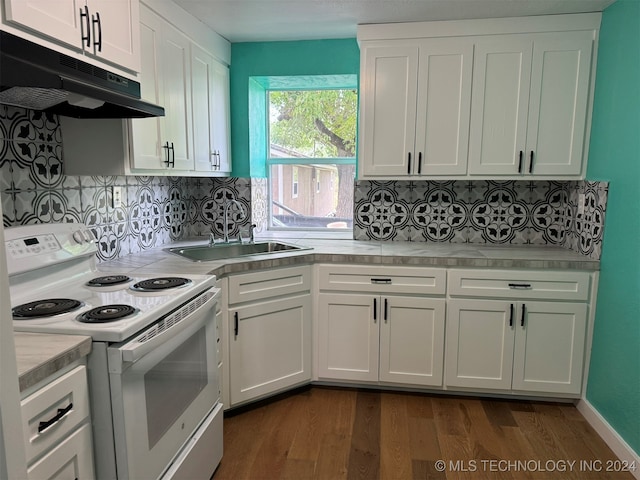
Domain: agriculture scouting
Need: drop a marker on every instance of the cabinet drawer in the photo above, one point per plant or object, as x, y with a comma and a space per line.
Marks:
73, 458
376, 279
64, 403
519, 284
268, 284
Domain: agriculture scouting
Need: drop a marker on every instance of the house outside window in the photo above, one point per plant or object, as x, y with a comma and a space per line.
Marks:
311, 148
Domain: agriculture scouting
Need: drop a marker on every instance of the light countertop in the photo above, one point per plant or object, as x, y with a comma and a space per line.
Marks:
159, 260
39, 355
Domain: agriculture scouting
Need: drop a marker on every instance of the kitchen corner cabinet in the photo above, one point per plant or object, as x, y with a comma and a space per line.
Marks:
528, 341
477, 98
529, 109
102, 29
376, 334
57, 432
269, 332
415, 107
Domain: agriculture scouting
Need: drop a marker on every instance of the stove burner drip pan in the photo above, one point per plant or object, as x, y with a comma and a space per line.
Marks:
108, 280
107, 313
45, 308
161, 283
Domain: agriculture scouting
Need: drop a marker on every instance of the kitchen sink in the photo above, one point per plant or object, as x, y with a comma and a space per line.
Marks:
206, 253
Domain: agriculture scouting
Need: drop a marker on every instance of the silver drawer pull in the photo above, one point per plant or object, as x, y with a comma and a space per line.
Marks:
523, 286
381, 281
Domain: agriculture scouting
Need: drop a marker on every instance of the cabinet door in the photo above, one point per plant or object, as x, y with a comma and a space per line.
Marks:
146, 133
412, 340
220, 117
210, 103
388, 110
114, 32
71, 459
444, 106
558, 103
479, 350
549, 347
177, 132
57, 19
348, 337
500, 99
269, 347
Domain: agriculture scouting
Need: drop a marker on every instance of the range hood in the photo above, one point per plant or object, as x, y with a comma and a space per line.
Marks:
38, 78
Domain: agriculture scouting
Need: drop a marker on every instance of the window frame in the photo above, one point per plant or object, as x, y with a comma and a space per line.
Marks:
310, 161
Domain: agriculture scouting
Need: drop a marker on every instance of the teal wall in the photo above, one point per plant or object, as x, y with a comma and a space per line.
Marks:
614, 155
314, 57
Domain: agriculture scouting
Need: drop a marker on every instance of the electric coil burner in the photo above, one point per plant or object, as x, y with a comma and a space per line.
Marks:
107, 313
45, 308
108, 280
162, 283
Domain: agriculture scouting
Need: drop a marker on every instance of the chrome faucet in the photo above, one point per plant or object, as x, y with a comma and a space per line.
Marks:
225, 228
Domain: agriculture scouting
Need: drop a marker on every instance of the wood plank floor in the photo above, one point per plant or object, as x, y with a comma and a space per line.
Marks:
340, 433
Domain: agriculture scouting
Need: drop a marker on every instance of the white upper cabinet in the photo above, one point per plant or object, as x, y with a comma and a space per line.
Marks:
388, 109
192, 84
106, 30
529, 110
444, 99
415, 108
479, 99
164, 142
115, 32
210, 101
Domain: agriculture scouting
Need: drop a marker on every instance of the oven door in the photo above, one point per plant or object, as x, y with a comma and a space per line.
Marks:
164, 383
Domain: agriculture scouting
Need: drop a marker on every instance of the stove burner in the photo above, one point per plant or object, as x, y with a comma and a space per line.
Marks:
45, 308
108, 280
163, 283
107, 313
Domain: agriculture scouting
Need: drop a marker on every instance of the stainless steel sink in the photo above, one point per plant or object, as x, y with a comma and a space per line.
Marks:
205, 253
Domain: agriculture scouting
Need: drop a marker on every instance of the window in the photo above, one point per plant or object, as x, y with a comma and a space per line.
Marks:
311, 139
294, 182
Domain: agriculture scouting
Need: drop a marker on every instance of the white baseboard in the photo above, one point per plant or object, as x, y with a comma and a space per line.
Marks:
621, 448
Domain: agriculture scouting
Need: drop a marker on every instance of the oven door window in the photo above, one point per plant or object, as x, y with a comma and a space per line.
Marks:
173, 384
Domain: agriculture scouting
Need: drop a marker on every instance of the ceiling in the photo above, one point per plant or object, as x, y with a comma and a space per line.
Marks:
272, 20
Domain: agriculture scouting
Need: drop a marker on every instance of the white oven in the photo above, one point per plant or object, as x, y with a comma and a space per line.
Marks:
164, 382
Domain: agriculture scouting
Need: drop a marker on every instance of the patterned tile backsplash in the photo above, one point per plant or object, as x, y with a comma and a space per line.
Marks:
157, 210
497, 212
154, 210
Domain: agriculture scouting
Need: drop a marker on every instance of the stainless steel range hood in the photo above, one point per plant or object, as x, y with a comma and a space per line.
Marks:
37, 78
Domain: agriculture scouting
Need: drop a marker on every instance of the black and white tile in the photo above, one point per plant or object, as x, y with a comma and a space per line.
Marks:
156, 210
496, 212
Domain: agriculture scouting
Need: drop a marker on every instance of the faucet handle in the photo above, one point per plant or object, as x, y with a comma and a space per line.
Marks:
251, 234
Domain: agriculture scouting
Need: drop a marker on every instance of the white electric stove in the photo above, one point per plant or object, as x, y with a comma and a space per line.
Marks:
152, 372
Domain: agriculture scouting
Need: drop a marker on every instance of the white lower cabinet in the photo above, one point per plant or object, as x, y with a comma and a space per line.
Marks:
374, 336
412, 340
269, 332
530, 346
56, 429
348, 337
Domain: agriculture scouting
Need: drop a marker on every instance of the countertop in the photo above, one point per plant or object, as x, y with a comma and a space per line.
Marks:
159, 260
39, 355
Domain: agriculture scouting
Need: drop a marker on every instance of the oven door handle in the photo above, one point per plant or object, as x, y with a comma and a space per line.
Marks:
169, 326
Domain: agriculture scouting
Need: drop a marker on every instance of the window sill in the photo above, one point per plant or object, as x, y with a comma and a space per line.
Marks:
282, 234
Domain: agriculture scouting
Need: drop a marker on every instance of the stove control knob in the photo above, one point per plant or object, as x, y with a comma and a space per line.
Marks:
78, 237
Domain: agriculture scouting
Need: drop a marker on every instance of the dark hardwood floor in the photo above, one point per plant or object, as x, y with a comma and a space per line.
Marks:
334, 433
